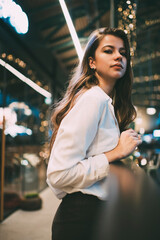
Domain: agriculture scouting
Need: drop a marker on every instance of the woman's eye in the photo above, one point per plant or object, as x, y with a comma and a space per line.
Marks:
123, 54
108, 51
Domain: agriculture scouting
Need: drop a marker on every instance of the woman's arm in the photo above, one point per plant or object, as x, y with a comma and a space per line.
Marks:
90, 170
68, 165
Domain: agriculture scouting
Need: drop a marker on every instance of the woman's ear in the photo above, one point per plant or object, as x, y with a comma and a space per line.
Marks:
92, 63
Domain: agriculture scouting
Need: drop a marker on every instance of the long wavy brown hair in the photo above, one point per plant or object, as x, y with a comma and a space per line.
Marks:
84, 78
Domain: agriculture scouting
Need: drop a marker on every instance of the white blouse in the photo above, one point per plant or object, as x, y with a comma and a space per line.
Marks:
77, 161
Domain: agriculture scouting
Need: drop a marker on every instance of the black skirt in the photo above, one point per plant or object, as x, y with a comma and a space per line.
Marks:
77, 217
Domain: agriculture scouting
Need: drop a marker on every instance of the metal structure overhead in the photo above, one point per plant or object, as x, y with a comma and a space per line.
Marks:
47, 49
50, 55
53, 31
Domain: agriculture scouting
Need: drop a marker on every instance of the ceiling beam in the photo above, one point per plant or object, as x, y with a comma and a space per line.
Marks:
59, 18
69, 58
66, 49
53, 32
62, 45
80, 34
45, 7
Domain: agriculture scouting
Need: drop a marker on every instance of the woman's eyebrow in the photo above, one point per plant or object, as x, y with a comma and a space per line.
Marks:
108, 46
111, 46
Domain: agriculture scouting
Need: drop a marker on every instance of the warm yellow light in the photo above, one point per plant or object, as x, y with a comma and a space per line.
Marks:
45, 123
3, 55
10, 57
120, 9
41, 115
41, 129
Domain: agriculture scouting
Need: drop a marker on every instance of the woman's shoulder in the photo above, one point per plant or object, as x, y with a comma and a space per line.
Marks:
96, 94
93, 98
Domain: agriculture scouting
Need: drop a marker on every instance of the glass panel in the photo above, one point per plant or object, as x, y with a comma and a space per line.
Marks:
26, 130
141, 21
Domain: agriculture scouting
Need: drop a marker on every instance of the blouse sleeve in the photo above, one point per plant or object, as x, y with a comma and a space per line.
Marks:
68, 165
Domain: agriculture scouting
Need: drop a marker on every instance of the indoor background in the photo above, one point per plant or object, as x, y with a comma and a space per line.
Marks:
46, 55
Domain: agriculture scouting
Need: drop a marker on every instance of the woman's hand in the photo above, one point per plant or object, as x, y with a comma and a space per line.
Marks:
128, 141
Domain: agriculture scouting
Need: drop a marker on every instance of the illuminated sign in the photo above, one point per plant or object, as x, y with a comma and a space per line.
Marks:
12, 12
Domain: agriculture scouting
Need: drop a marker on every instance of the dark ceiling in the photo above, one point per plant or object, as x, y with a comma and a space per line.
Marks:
52, 32
48, 46
49, 53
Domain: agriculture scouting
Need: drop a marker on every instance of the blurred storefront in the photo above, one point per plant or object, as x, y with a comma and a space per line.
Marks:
24, 131
45, 55
141, 21
23, 137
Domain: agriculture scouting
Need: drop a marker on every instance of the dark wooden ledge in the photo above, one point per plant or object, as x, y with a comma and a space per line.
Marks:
132, 211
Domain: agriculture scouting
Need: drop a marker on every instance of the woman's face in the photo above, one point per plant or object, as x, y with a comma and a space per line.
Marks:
110, 60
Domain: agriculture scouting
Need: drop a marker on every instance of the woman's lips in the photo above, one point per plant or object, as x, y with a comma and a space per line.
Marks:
117, 65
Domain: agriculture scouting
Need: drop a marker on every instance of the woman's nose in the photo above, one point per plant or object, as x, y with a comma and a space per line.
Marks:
118, 56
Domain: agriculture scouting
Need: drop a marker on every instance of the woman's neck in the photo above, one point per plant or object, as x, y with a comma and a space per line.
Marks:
107, 85
107, 88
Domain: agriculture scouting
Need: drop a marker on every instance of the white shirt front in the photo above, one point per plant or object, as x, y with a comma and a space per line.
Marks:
77, 161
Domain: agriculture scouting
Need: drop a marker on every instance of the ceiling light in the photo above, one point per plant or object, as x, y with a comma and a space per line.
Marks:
72, 29
28, 81
14, 13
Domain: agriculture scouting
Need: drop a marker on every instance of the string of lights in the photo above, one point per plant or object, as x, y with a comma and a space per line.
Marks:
127, 21
17, 62
146, 57
142, 79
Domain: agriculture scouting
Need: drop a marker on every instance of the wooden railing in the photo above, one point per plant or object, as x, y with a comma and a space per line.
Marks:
132, 211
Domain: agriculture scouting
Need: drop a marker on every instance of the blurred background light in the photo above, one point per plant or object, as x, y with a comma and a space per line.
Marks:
150, 111
10, 116
147, 138
137, 154
14, 130
138, 120
20, 22
141, 130
27, 112
32, 158
17, 18
156, 133
24, 162
143, 161
48, 100
11, 127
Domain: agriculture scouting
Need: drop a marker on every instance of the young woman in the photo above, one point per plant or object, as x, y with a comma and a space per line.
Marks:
91, 131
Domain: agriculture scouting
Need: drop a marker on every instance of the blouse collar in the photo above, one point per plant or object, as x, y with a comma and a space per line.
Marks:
105, 94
